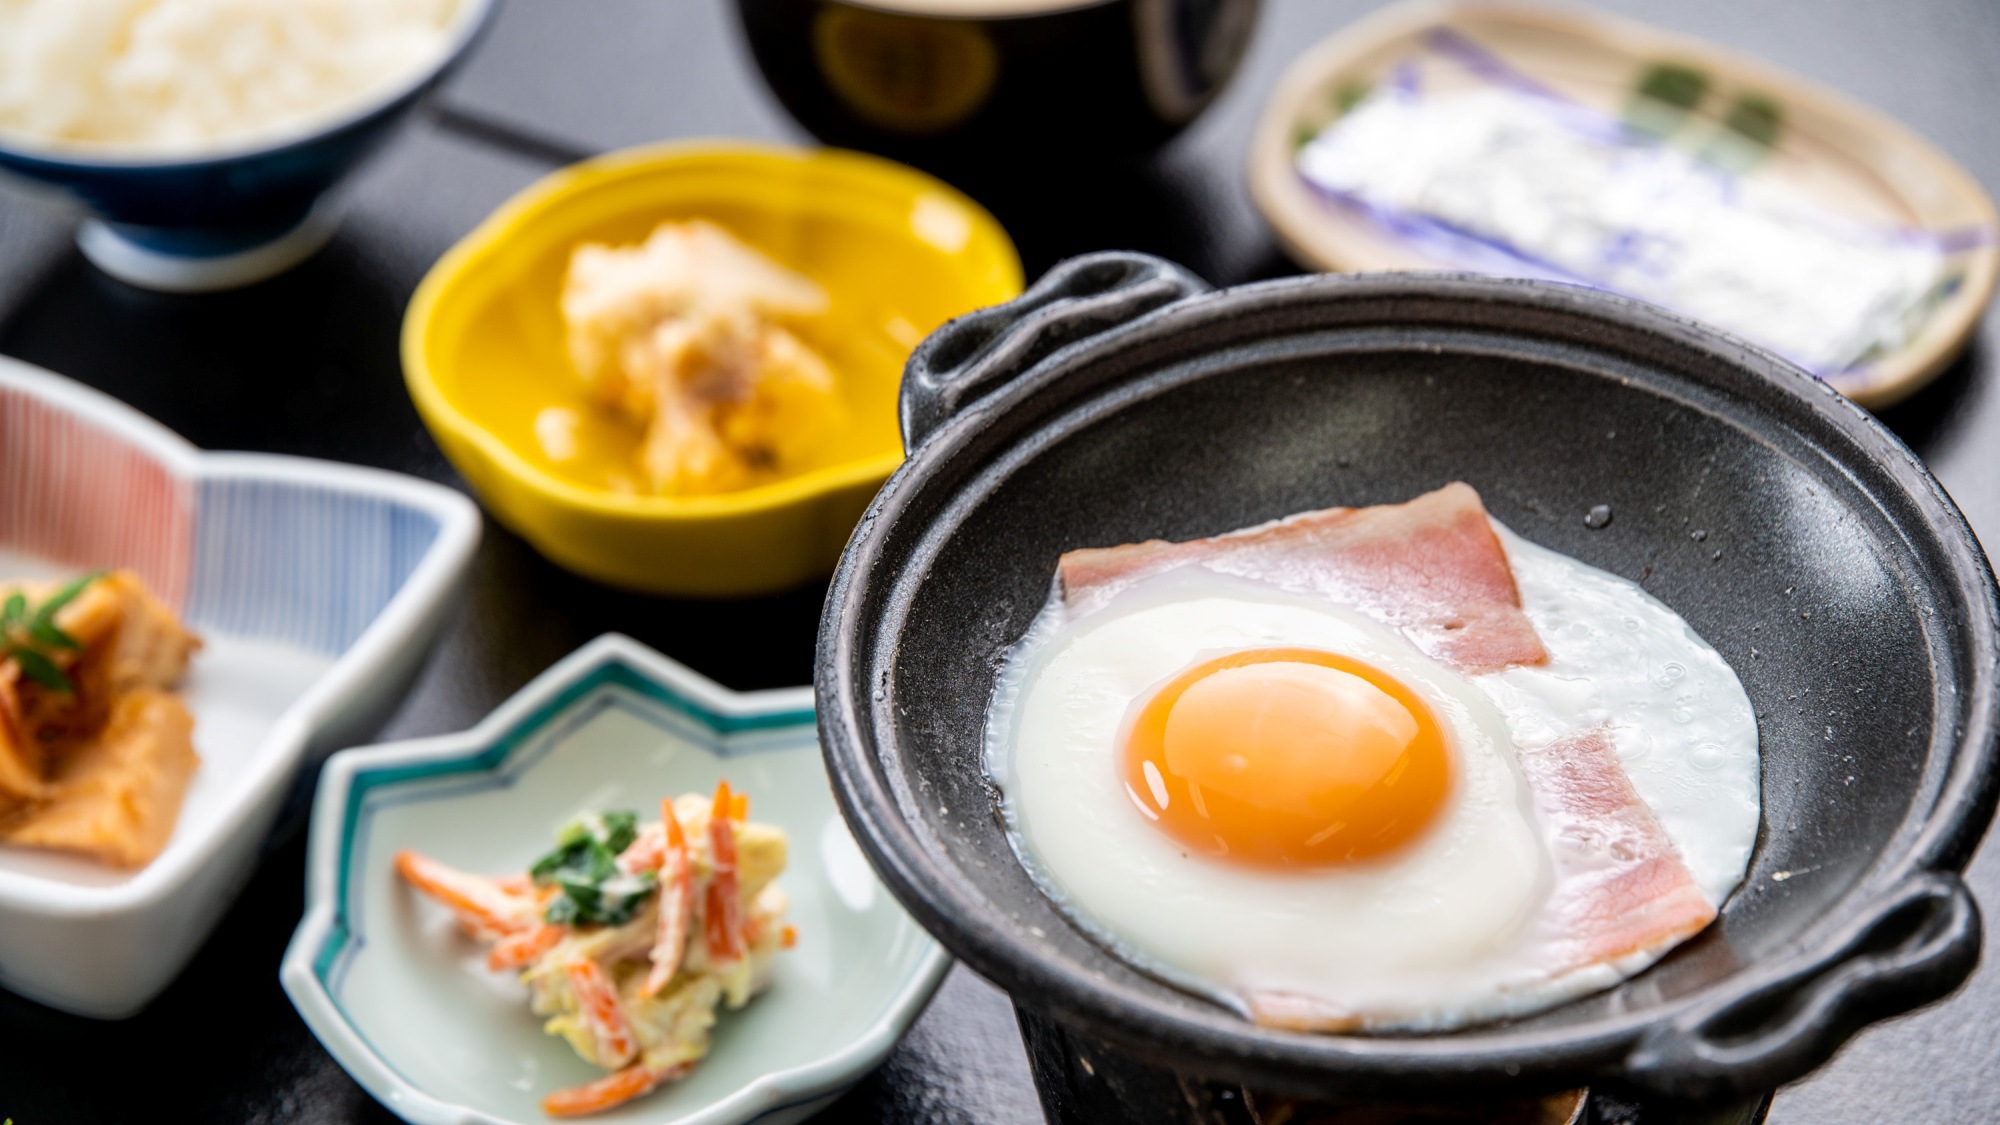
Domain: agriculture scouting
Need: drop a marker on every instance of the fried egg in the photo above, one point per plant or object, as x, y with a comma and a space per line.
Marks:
1280, 802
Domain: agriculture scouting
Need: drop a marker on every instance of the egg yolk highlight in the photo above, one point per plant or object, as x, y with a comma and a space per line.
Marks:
1285, 758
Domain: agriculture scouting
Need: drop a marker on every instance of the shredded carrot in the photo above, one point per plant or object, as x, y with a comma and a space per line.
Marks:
723, 914
518, 949
645, 853
483, 908
611, 1090
676, 835
597, 1001
789, 937
676, 904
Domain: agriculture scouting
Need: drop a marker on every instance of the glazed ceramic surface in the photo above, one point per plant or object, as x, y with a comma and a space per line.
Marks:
317, 589
897, 252
1119, 400
1853, 162
404, 1001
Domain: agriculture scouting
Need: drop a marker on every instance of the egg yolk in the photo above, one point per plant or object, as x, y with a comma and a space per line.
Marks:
1285, 758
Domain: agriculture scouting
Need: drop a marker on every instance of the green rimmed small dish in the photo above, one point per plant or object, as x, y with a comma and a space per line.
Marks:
406, 1005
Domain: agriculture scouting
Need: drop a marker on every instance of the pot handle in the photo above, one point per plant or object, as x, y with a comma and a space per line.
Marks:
1911, 946
974, 355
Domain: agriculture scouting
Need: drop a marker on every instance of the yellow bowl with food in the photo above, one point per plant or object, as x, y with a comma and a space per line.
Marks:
503, 341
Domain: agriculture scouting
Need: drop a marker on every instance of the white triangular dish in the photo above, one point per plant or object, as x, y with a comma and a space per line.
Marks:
317, 588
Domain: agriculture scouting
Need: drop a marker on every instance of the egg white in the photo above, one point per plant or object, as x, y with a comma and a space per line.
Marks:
1430, 936
1683, 726
1408, 922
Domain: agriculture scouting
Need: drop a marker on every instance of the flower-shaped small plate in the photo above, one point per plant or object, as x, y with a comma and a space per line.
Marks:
317, 589
405, 1003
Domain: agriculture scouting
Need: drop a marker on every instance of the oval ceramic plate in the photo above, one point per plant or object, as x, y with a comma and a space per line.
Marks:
1839, 156
405, 1003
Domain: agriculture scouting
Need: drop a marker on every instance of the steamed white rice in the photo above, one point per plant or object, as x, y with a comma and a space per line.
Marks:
186, 75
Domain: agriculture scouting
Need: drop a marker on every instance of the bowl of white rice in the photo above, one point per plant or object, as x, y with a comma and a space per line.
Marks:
204, 134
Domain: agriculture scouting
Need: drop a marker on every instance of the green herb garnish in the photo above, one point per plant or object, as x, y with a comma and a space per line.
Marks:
31, 639
1757, 118
1676, 84
584, 865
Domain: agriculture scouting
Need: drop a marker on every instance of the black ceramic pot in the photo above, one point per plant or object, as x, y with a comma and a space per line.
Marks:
935, 83
1120, 400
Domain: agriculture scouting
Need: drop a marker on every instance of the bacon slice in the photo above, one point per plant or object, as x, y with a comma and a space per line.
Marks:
1432, 568
1621, 889
1621, 894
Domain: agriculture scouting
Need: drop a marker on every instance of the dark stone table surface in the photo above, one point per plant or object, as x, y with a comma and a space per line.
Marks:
308, 364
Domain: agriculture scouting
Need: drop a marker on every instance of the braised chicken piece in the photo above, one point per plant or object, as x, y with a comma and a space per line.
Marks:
95, 749
689, 336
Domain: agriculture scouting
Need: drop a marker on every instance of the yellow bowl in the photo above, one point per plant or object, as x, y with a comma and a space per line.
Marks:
898, 253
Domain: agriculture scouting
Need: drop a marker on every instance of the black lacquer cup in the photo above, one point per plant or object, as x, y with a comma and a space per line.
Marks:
1120, 399
967, 86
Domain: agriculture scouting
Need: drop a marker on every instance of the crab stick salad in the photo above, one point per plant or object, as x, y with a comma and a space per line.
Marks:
630, 936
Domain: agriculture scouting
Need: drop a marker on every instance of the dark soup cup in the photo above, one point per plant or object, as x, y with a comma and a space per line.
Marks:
1120, 400
965, 84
